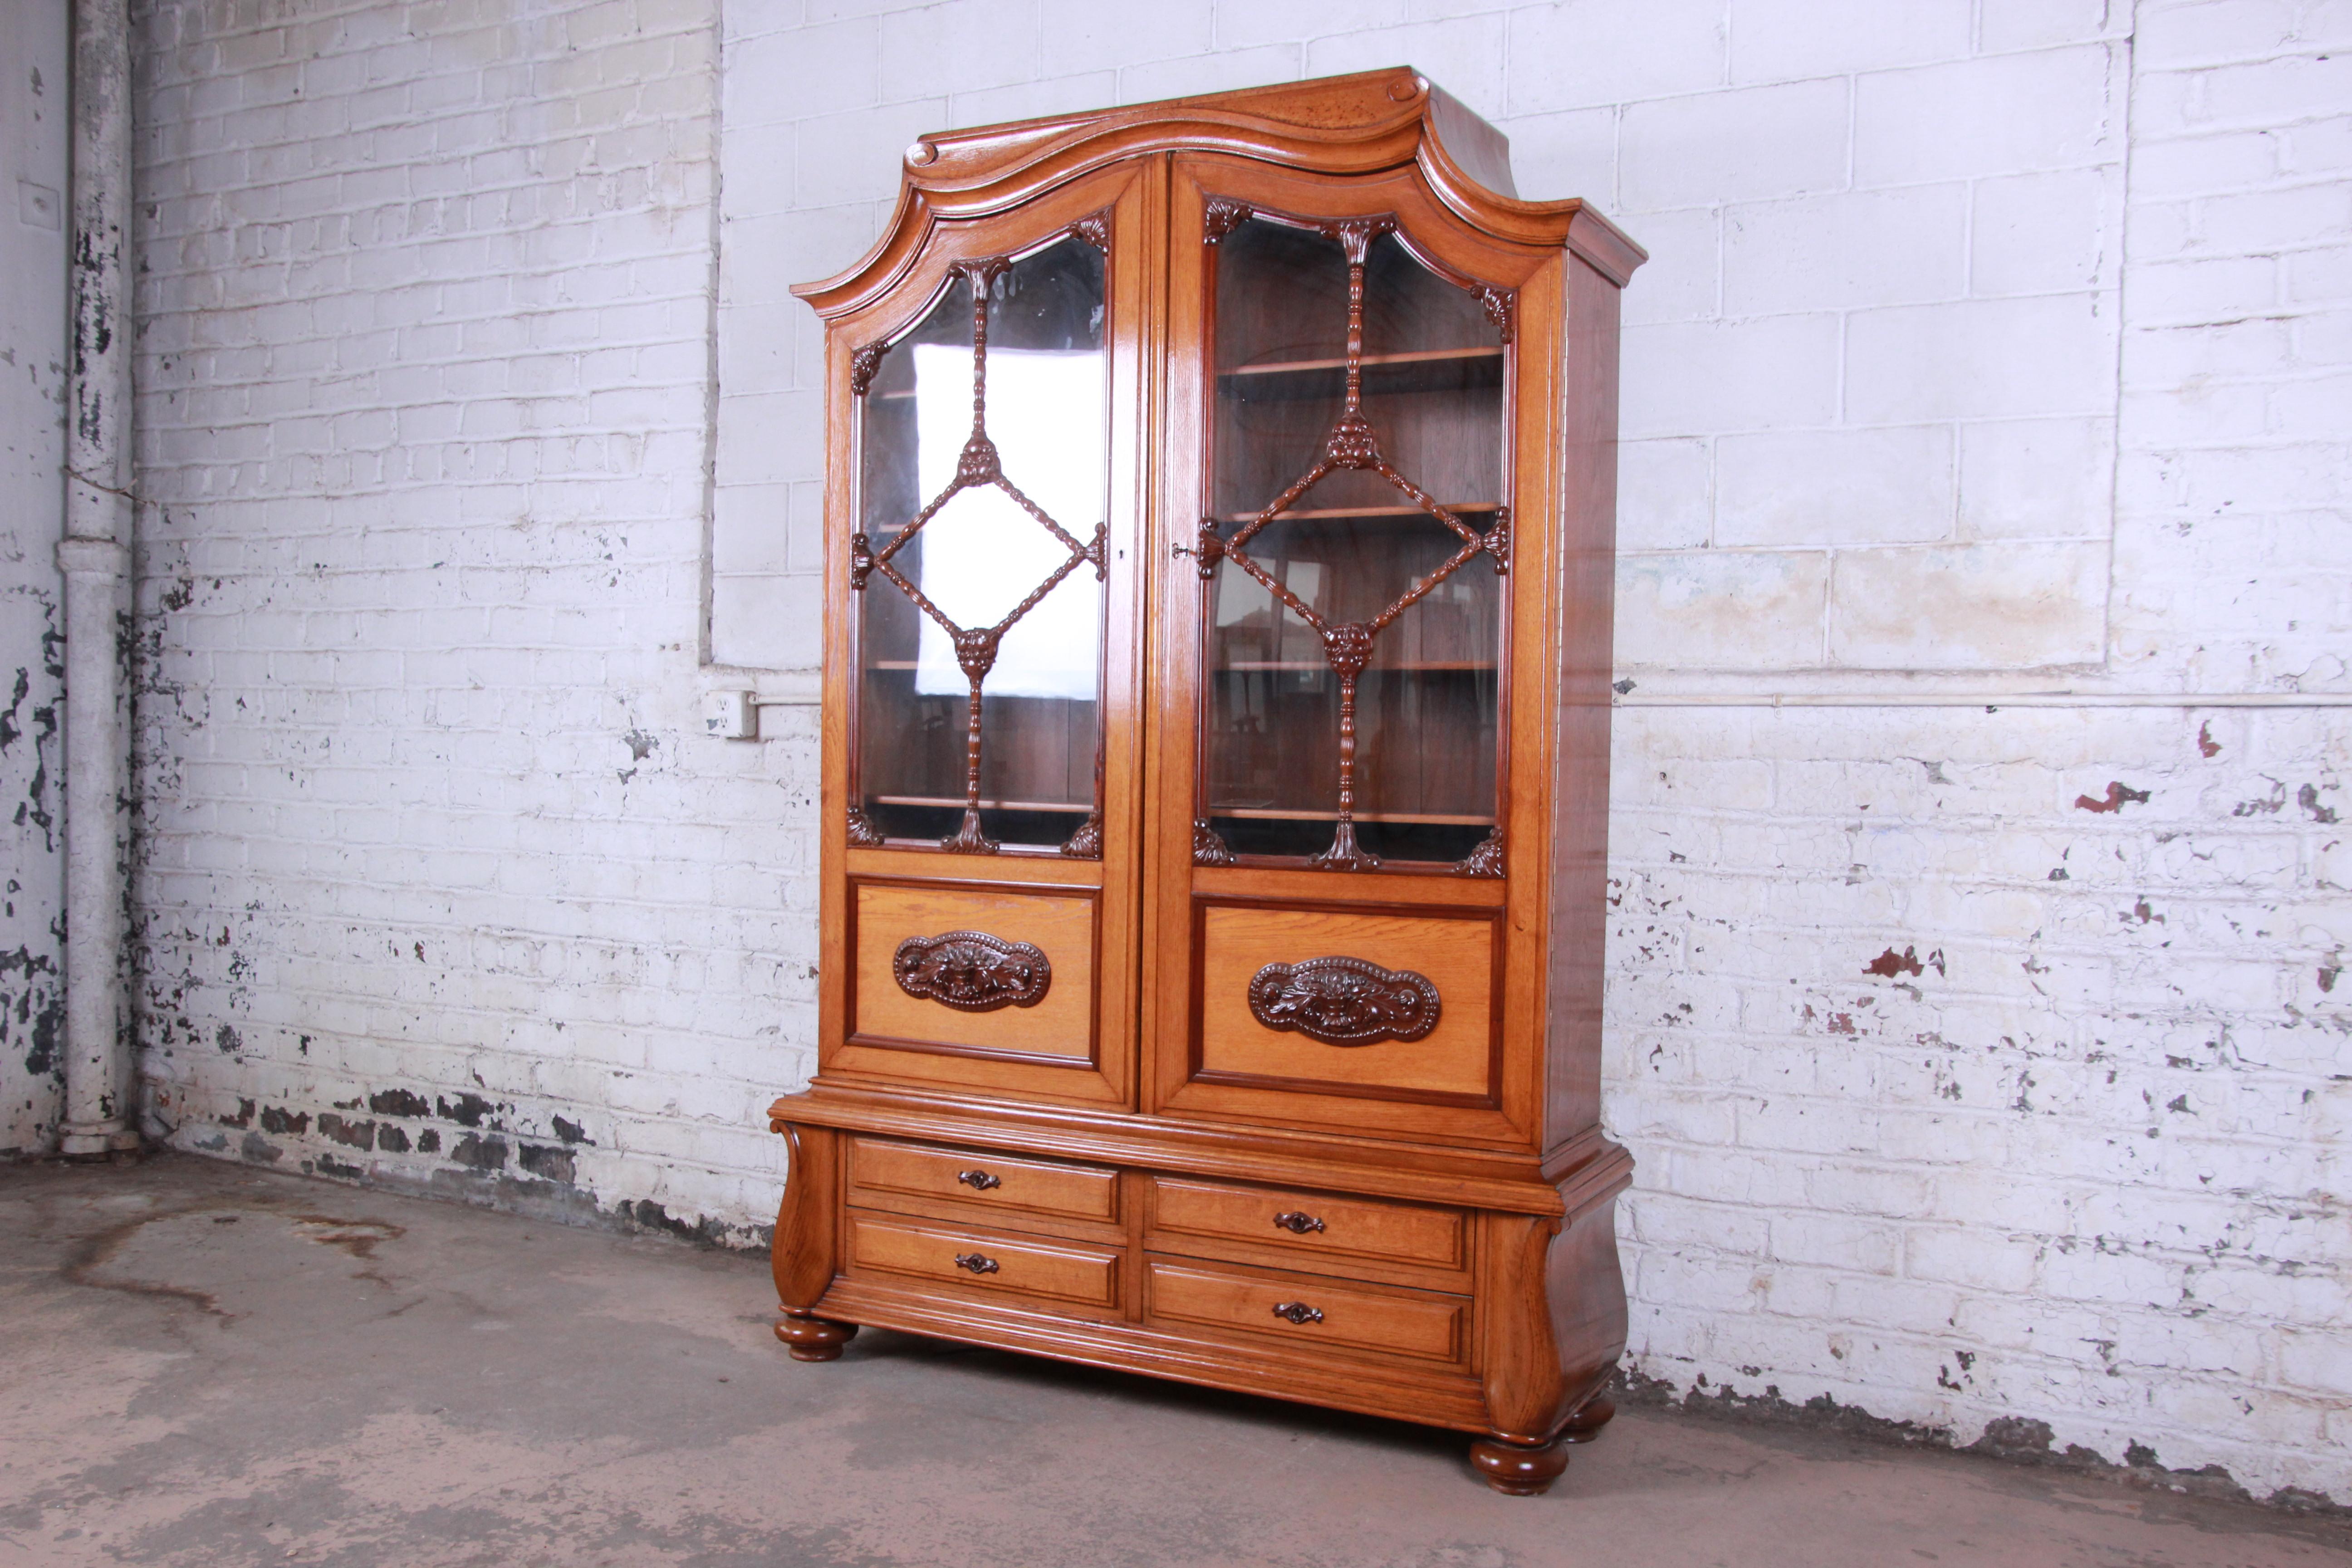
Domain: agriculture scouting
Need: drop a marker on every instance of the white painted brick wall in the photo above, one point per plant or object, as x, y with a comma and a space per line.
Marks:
35, 140
1922, 391
427, 809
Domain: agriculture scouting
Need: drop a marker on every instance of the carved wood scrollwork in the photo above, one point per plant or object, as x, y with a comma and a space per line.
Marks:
1208, 847
1344, 1001
1487, 860
1222, 216
1502, 308
972, 971
862, 364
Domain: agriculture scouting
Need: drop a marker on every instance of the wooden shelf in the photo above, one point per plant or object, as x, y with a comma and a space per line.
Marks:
1312, 514
1268, 814
1418, 356
1410, 666
955, 802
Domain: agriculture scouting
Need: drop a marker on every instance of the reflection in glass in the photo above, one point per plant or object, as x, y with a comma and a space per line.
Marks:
1355, 610
983, 507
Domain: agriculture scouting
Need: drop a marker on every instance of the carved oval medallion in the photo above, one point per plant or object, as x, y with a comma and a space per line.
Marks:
1344, 1001
972, 971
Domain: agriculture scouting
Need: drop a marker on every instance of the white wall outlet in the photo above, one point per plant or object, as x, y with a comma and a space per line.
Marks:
730, 715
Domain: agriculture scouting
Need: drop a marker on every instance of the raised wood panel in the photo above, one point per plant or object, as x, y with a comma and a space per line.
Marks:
1454, 1063
1060, 1024
1321, 1229
1022, 1266
880, 1169
1351, 1316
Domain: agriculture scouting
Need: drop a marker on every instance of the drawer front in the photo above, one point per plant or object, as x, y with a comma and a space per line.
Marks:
984, 1261
1311, 1223
1338, 1002
881, 1169
1301, 1311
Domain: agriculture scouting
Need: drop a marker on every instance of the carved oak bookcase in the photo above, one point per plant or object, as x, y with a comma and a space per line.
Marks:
1219, 522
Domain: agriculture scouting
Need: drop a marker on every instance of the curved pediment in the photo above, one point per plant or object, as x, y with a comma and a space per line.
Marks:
1356, 124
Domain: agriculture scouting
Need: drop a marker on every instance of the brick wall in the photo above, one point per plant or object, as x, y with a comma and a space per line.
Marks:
1985, 1060
35, 140
439, 882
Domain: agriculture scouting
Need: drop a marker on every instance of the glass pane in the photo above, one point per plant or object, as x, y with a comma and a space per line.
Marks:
1367, 544
983, 505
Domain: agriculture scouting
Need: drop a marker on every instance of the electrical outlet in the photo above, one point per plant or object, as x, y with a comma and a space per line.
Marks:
730, 715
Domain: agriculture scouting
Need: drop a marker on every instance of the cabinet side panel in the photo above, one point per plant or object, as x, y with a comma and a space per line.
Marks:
803, 1254
1580, 834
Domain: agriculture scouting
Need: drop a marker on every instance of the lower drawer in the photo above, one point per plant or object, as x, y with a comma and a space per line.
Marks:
981, 1261
1302, 1310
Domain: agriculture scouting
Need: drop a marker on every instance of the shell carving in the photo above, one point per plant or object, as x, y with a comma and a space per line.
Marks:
1344, 1001
972, 971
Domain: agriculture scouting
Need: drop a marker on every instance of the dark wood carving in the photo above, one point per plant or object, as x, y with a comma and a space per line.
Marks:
1221, 217
1353, 443
1487, 860
1085, 842
1501, 306
1344, 1001
1095, 230
972, 971
863, 833
862, 364
1208, 849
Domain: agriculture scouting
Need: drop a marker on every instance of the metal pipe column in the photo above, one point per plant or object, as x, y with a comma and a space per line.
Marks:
94, 557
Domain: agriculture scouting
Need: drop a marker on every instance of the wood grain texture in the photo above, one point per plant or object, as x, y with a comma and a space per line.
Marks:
1333, 1158
803, 1256
1439, 1394
1347, 126
1136, 1172
1350, 1317
880, 1166
1335, 1231
1456, 1059
986, 1262
1061, 1024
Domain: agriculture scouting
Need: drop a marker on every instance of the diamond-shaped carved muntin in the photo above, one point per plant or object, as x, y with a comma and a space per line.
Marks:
1353, 443
979, 466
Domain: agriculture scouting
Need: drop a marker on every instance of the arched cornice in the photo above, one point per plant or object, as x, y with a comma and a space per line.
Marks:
1365, 124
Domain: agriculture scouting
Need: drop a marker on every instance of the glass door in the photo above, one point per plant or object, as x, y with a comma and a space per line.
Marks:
978, 564
981, 661
1337, 684
1355, 550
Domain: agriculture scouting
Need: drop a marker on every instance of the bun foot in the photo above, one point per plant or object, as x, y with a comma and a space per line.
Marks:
1586, 1424
1517, 1467
814, 1339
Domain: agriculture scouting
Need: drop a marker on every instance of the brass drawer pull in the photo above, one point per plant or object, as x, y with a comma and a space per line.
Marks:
979, 1265
981, 1181
1298, 1312
1297, 1224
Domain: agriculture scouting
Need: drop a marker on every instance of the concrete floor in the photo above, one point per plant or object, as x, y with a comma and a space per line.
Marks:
203, 1364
